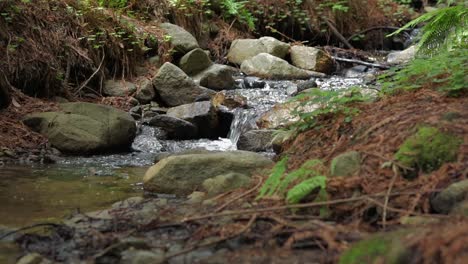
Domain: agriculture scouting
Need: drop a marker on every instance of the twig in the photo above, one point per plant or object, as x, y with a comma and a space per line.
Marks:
240, 196
396, 210
296, 206
387, 196
92, 75
26, 228
381, 66
281, 34
337, 33
210, 243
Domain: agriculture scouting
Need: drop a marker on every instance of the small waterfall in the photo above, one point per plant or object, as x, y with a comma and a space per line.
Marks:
244, 120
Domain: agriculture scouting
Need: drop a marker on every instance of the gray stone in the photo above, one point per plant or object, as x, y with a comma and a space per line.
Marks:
202, 114
281, 115
312, 59
154, 61
145, 92
175, 87
195, 61
183, 174
268, 66
450, 197
253, 83
346, 164
225, 182
118, 88
175, 128
163, 155
243, 49
356, 71
216, 77
229, 99
85, 128
401, 57
256, 140
135, 256
180, 38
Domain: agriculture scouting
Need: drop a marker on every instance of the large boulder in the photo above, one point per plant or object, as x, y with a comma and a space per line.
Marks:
217, 77
195, 61
180, 38
85, 128
175, 88
202, 114
401, 57
256, 140
312, 59
243, 49
183, 174
268, 66
174, 128
225, 182
118, 88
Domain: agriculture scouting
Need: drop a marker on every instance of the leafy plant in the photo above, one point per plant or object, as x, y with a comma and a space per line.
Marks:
297, 184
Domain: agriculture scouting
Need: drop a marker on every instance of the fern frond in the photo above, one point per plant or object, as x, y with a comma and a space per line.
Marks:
271, 184
301, 190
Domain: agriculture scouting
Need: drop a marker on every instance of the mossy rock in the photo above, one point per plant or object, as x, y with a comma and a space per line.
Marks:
346, 164
385, 248
428, 149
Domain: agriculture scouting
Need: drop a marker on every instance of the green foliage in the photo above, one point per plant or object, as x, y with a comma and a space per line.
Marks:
237, 9
325, 102
113, 3
444, 29
446, 72
297, 184
428, 149
301, 190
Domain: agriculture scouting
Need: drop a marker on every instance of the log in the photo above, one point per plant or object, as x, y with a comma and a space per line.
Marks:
375, 65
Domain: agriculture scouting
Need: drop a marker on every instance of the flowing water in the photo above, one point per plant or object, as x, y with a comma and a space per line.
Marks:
33, 193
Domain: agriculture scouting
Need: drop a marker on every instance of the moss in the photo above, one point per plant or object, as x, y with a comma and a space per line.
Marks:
428, 149
381, 248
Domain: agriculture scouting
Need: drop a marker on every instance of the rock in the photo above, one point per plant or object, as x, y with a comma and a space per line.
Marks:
118, 88
225, 182
163, 155
181, 39
427, 150
379, 248
460, 209
256, 140
145, 92
312, 59
229, 99
33, 258
183, 174
85, 128
268, 66
346, 164
281, 115
175, 128
154, 61
450, 197
217, 77
195, 61
202, 114
401, 57
356, 71
244, 49
196, 197
303, 86
254, 83
135, 256
175, 87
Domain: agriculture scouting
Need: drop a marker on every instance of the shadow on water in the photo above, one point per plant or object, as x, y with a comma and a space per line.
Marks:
31, 194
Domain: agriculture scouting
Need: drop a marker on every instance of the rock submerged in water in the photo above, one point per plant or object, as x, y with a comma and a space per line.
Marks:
268, 66
183, 174
244, 49
175, 88
85, 128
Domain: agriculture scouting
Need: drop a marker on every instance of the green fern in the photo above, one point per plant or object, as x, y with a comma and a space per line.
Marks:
303, 189
445, 29
310, 167
271, 184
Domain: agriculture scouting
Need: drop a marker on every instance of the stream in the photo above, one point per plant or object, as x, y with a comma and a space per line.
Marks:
40, 193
